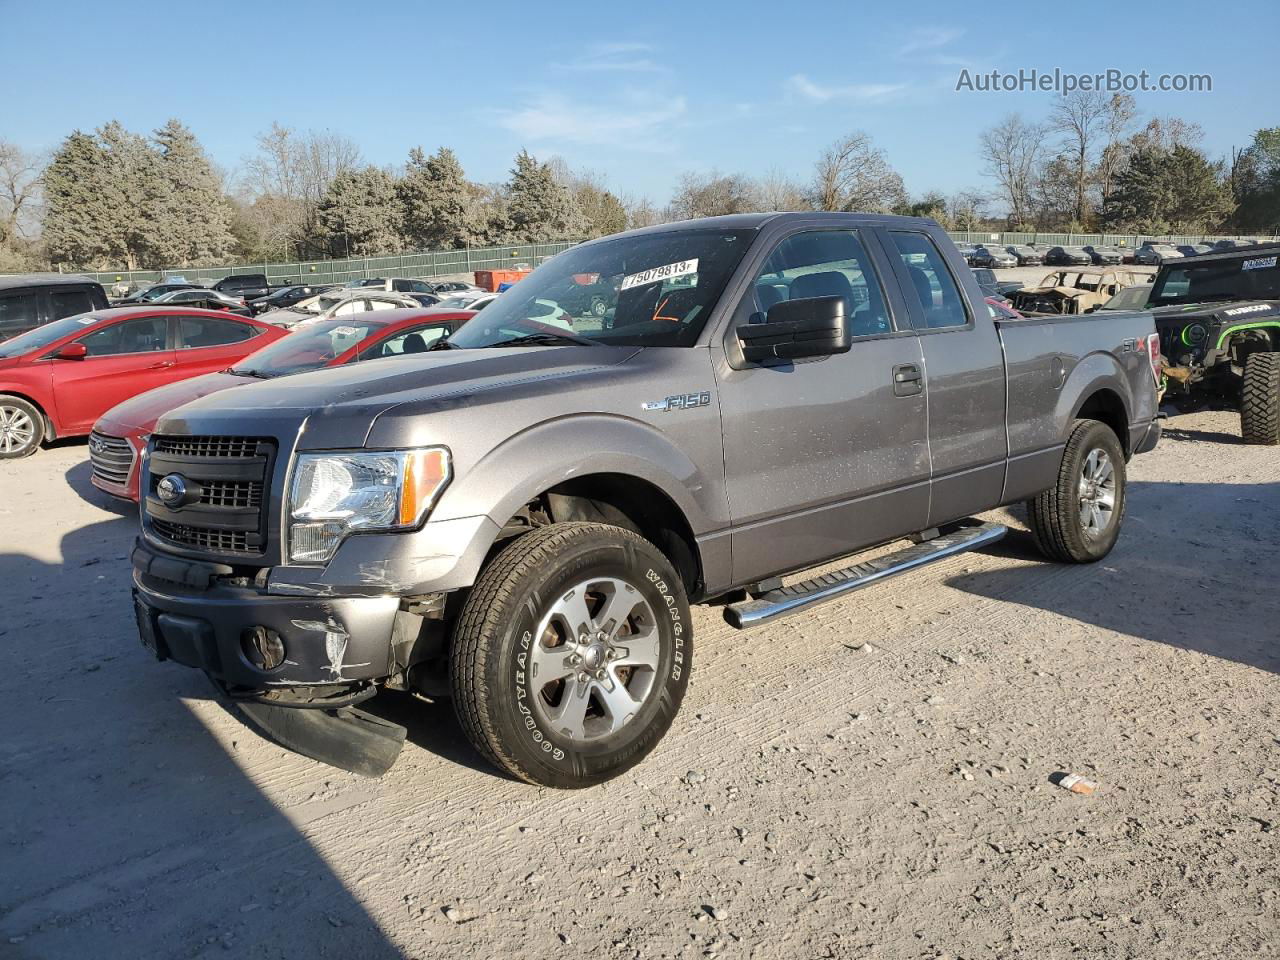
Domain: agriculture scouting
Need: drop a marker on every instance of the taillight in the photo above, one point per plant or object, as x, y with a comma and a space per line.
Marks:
1154, 357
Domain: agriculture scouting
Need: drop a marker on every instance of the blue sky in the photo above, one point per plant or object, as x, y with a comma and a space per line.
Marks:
636, 92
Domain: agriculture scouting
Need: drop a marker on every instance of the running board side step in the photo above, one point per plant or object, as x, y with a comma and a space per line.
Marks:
800, 596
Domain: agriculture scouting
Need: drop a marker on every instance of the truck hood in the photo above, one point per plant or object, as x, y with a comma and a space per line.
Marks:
338, 407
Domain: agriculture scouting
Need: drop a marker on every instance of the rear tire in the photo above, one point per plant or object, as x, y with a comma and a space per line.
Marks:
1260, 399
21, 428
1077, 520
572, 654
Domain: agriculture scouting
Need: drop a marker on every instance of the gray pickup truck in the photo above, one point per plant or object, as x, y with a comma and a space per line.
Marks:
520, 518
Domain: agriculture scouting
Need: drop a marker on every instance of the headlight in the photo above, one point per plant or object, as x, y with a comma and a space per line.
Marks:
337, 494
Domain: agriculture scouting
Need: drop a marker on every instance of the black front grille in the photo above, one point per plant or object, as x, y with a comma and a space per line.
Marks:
223, 483
111, 457
203, 538
233, 493
236, 448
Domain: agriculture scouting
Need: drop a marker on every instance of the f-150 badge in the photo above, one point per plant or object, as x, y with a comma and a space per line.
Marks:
684, 401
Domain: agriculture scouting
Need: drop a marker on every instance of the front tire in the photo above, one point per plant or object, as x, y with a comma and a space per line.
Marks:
1260, 399
1077, 520
21, 428
571, 655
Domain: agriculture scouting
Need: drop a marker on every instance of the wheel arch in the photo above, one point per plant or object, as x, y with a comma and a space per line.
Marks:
50, 427
1106, 406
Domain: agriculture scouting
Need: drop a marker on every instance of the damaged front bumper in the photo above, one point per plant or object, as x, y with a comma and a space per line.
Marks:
246, 637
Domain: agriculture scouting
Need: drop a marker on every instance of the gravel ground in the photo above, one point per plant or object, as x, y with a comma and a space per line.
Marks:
871, 779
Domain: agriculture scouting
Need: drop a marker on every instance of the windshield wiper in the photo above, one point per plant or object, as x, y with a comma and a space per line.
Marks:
547, 339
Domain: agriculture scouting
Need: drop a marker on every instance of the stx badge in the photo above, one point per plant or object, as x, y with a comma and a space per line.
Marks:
685, 401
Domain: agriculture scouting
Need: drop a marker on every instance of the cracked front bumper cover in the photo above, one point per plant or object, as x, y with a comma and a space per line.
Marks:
329, 640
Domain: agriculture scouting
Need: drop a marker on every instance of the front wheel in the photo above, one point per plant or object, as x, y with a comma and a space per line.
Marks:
1260, 399
21, 428
1077, 520
572, 654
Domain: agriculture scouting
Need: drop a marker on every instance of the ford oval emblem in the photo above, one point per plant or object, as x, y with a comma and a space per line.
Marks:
171, 490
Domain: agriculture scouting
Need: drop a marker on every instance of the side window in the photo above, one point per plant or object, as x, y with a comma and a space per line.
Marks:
411, 341
196, 332
420, 286
382, 305
67, 303
349, 308
825, 263
144, 335
935, 290
19, 312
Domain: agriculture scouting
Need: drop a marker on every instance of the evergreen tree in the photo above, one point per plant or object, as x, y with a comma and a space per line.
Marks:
539, 207
440, 209
1256, 183
1177, 190
75, 209
360, 214
189, 218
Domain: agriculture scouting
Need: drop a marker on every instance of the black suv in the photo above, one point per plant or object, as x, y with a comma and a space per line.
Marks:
29, 300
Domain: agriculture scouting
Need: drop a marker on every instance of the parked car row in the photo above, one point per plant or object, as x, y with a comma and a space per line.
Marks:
1149, 253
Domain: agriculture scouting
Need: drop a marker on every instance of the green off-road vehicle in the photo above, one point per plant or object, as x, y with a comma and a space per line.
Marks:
1218, 316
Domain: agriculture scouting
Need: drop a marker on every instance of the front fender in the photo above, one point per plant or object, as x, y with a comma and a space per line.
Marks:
551, 452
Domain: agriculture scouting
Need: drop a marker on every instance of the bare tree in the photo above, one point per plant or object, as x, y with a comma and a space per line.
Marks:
19, 192
712, 195
853, 174
288, 179
1119, 117
968, 209
1012, 150
1079, 117
776, 191
641, 212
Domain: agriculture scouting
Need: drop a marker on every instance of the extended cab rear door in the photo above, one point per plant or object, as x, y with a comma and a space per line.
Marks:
829, 454
964, 376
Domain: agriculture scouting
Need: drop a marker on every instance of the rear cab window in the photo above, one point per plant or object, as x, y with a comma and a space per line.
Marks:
932, 289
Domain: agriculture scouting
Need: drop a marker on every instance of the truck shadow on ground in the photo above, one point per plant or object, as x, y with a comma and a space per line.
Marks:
78, 479
128, 828
1209, 593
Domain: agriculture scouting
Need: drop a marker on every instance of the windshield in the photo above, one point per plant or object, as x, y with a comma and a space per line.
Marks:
311, 347
1130, 298
1253, 278
43, 336
655, 289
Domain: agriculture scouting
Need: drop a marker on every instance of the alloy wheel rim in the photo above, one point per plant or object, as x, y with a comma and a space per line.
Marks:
16, 429
594, 662
1097, 492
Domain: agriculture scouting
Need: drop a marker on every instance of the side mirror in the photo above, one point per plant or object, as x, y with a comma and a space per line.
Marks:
72, 351
812, 327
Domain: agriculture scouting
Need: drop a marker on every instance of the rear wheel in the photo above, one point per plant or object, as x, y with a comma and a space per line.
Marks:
1260, 399
1077, 520
572, 654
21, 428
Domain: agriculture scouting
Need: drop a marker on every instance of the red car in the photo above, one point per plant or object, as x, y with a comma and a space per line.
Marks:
119, 436
56, 380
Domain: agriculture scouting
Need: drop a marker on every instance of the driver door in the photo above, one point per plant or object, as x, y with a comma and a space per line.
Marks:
824, 456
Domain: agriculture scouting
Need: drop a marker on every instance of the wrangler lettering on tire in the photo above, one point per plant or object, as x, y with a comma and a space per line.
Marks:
571, 655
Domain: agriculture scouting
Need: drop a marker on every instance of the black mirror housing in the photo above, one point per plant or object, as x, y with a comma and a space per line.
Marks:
811, 327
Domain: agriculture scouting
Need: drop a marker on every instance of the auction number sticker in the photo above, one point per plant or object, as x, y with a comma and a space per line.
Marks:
681, 268
345, 331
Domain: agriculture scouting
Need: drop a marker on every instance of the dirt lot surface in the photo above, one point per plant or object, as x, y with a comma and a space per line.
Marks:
867, 780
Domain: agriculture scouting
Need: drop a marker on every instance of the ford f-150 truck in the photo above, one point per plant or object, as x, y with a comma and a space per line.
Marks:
521, 517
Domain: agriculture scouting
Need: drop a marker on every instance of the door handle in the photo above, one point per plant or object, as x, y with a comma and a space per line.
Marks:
908, 381
164, 364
